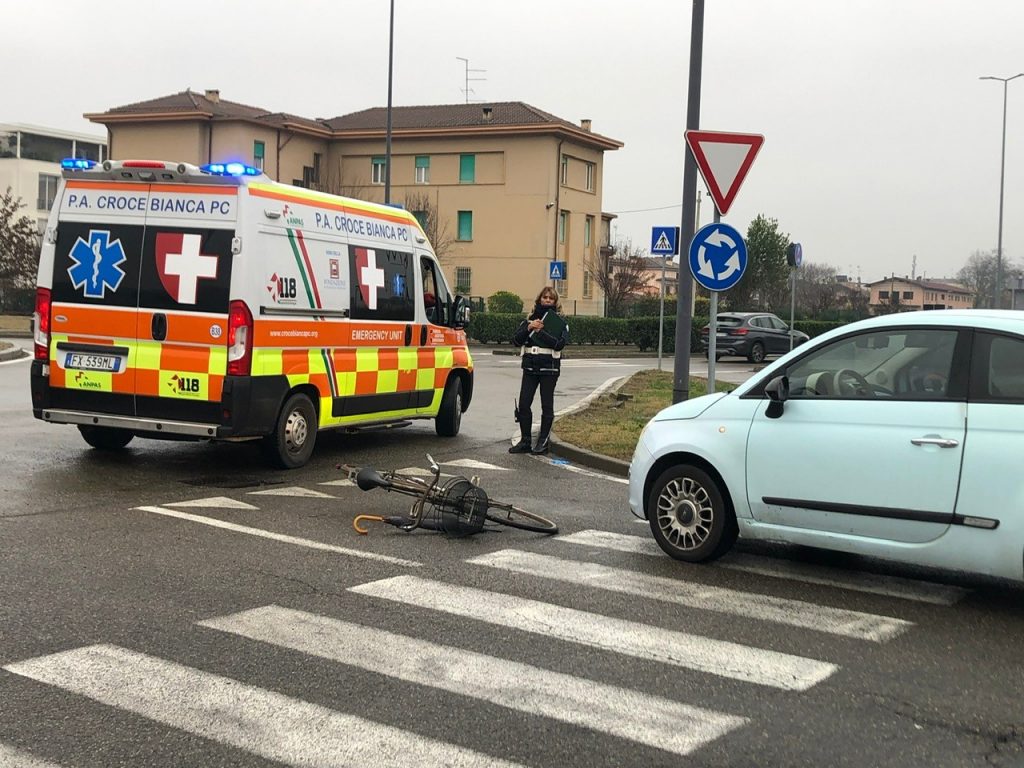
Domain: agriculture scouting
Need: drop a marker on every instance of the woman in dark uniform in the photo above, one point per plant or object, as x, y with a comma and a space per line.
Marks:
541, 352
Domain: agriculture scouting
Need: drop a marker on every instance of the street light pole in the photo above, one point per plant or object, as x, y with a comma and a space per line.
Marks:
997, 299
387, 138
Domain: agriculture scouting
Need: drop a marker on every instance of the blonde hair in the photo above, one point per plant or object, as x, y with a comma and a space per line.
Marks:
548, 290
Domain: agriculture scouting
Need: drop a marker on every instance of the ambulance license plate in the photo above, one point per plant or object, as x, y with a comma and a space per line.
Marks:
92, 362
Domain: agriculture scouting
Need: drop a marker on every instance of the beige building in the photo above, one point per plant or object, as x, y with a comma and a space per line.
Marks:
511, 188
908, 294
30, 158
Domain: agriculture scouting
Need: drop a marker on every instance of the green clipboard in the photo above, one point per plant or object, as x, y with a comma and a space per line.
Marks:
553, 324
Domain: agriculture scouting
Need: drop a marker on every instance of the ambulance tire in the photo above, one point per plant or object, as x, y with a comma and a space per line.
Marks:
291, 443
106, 438
449, 416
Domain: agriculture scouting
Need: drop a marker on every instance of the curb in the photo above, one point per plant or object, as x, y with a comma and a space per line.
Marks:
582, 456
14, 353
14, 334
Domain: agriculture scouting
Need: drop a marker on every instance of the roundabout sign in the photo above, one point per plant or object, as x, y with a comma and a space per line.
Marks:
718, 257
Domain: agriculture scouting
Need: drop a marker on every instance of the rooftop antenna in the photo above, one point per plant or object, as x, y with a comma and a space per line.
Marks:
467, 90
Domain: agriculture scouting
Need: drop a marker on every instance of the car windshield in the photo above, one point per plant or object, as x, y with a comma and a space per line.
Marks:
729, 322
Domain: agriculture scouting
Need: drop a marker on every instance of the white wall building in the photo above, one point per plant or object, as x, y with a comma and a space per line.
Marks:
30, 158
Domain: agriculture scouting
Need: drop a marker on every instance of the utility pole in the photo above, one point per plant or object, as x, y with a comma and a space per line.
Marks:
467, 90
387, 140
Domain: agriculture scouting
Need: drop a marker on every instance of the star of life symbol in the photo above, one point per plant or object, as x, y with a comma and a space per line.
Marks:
371, 277
97, 264
181, 264
272, 287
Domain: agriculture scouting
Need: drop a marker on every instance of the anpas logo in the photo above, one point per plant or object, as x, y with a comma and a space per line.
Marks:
187, 386
290, 218
82, 381
97, 264
181, 264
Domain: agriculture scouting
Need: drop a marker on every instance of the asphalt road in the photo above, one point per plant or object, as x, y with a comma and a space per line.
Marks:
240, 621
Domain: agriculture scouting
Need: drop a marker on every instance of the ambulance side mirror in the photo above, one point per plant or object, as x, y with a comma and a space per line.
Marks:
460, 312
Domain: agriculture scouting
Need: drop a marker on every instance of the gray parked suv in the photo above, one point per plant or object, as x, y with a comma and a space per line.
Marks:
753, 335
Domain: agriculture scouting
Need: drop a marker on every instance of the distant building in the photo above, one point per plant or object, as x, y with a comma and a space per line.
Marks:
30, 163
513, 186
905, 294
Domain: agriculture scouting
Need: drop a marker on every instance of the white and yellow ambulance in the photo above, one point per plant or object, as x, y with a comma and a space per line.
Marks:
212, 303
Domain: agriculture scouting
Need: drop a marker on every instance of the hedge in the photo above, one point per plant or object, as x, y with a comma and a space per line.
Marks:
642, 332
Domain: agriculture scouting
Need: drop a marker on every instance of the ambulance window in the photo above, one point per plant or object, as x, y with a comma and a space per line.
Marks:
435, 294
383, 284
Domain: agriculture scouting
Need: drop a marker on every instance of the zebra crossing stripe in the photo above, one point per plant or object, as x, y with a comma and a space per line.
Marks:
260, 533
642, 641
261, 722
631, 715
794, 613
15, 758
872, 583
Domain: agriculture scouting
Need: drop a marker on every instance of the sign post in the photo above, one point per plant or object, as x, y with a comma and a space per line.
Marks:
664, 243
718, 259
795, 257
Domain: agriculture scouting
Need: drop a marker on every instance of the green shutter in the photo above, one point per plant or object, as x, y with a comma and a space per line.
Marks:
465, 225
258, 149
467, 169
422, 161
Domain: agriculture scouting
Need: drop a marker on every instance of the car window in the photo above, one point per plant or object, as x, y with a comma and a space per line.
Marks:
898, 363
760, 322
728, 322
998, 371
779, 325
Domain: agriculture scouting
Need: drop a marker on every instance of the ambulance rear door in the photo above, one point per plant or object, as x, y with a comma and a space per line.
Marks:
183, 300
94, 294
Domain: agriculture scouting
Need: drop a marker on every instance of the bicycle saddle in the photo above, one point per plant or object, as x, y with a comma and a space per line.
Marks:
369, 478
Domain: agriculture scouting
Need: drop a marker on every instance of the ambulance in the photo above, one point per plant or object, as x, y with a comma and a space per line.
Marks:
211, 303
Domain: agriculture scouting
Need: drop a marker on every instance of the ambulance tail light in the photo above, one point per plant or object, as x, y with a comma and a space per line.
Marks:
143, 164
240, 338
41, 324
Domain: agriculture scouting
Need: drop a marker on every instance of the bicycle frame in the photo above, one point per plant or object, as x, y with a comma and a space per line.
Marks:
403, 484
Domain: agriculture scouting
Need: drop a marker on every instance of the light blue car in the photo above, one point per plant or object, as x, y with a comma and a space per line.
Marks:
899, 437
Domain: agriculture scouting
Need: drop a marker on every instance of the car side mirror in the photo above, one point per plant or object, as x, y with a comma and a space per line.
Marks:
778, 393
460, 312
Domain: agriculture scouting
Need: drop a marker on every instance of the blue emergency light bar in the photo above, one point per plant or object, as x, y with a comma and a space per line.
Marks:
77, 164
230, 169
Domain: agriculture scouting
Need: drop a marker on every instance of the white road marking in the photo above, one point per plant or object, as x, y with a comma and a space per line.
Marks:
344, 482
873, 583
419, 472
15, 758
294, 490
258, 532
216, 502
793, 613
230, 712
474, 464
627, 714
642, 641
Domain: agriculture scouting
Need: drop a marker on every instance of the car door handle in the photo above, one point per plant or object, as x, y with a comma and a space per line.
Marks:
942, 442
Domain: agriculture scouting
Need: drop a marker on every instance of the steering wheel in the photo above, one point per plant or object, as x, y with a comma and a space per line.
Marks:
849, 383
934, 383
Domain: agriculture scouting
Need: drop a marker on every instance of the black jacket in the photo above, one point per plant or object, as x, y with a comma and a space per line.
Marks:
540, 363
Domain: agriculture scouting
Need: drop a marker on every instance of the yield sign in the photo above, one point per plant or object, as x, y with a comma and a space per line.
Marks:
723, 160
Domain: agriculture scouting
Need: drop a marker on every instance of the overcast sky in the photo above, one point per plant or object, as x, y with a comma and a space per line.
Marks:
881, 143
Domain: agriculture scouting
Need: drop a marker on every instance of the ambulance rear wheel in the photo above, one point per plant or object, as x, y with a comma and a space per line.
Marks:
449, 417
106, 438
292, 441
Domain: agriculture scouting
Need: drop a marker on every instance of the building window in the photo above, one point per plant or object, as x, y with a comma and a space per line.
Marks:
563, 220
377, 170
47, 191
421, 217
463, 279
883, 294
588, 227
908, 294
562, 286
565, 170
588, 287
465, 225
422, 169
49, 149
590, 177
318, 165
259, 151
467, 169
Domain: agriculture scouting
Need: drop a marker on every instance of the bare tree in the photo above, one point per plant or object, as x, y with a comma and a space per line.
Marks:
815, 288
979, 274
436, 227
19, 249
620, 273
334, 182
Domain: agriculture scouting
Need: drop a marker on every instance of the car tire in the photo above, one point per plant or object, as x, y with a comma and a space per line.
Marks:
756, 354
449, 415
106, 438
291, 443
688, 515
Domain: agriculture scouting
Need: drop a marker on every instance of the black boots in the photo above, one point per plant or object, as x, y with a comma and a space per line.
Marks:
524, 445
543, 439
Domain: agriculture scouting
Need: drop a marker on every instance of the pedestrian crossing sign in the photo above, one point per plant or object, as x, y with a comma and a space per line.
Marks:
556, 270
664, 241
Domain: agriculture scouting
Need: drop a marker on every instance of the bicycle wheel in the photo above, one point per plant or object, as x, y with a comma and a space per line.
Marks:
514, 517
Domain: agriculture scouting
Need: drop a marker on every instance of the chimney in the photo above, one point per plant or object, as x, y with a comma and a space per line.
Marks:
488, 114
213, 95
585, 124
